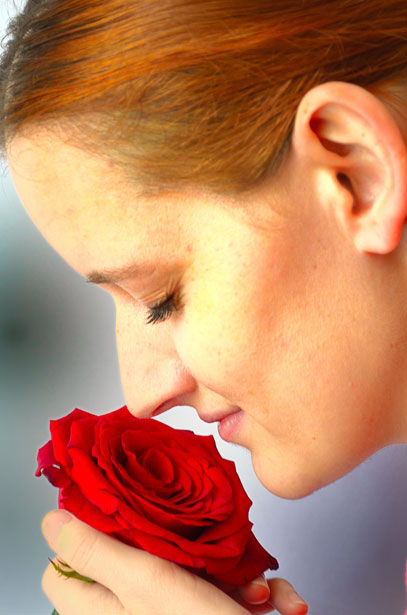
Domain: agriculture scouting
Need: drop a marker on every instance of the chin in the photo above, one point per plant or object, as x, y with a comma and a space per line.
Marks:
289, 483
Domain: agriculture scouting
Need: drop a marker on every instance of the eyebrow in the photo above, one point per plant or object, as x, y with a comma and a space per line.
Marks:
111, 276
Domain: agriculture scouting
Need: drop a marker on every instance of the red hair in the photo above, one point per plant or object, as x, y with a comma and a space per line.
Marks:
183, 93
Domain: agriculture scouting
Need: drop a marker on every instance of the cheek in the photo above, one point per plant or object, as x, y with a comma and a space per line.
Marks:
213, 352
230, 334
322, 420
216, 342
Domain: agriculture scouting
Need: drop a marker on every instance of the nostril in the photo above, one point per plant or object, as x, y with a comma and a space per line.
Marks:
167, 405
159, 409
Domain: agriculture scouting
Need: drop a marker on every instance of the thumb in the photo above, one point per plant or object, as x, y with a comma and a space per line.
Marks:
94, 554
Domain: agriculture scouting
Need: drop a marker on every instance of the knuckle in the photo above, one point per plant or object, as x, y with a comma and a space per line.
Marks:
157, 572
137, 587
160, 572
107, 605
81, 547
178, 581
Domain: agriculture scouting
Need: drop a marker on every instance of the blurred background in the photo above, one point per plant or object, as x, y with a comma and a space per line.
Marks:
343, 548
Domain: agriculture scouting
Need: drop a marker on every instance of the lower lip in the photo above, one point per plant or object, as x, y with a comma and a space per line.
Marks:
229, 425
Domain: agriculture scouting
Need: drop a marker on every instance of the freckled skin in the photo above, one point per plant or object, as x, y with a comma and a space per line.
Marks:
286, 319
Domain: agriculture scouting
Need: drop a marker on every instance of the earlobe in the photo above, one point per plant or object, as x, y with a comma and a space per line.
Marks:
349, 136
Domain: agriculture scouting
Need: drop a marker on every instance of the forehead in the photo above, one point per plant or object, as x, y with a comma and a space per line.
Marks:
82, 204
48, 167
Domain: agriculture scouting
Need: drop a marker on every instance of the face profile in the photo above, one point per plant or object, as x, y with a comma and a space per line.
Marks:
266, 320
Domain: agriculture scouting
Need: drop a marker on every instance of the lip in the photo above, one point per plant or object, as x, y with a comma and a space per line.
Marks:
228, 419
220, 415
230, 424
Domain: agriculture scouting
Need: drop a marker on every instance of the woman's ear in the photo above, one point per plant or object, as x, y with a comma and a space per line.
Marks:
358, 158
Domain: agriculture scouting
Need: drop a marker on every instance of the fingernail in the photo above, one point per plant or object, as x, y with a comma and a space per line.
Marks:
297, 600
257, 591
52, 524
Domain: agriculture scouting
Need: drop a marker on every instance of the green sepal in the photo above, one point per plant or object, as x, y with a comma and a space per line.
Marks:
54, 612
70, 574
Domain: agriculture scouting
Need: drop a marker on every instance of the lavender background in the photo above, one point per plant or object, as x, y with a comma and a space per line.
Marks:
343, 548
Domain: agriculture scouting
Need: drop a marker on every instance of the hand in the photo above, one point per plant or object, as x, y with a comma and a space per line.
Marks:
131, 581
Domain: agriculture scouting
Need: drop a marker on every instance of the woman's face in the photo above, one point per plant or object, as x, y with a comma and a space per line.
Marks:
284, 321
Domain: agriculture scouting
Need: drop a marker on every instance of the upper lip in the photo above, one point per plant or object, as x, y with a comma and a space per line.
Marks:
218, 416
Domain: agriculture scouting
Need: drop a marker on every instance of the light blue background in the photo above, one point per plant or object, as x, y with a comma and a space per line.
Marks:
343, 548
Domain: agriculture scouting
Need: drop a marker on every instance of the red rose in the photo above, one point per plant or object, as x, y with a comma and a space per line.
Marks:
164, 490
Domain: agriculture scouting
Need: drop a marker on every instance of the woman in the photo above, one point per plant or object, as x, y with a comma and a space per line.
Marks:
235, 175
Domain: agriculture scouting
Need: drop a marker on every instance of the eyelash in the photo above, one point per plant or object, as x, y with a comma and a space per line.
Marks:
164, 309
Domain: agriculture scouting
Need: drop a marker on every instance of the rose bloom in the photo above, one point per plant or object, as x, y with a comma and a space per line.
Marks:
164, 490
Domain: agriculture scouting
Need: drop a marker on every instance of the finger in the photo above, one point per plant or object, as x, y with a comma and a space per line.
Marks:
255, 592
258, 609
142, 582
285, 599
85, 549
236, 593
74, 597
255, 607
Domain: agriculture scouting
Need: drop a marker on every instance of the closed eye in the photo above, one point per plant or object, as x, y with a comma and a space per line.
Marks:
164, 309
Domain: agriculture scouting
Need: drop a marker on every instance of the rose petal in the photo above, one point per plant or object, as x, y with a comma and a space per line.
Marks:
91, 482
45, 457
61, 432
72, 499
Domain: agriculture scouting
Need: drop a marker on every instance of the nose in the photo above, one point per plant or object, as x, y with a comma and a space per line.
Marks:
154, 379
